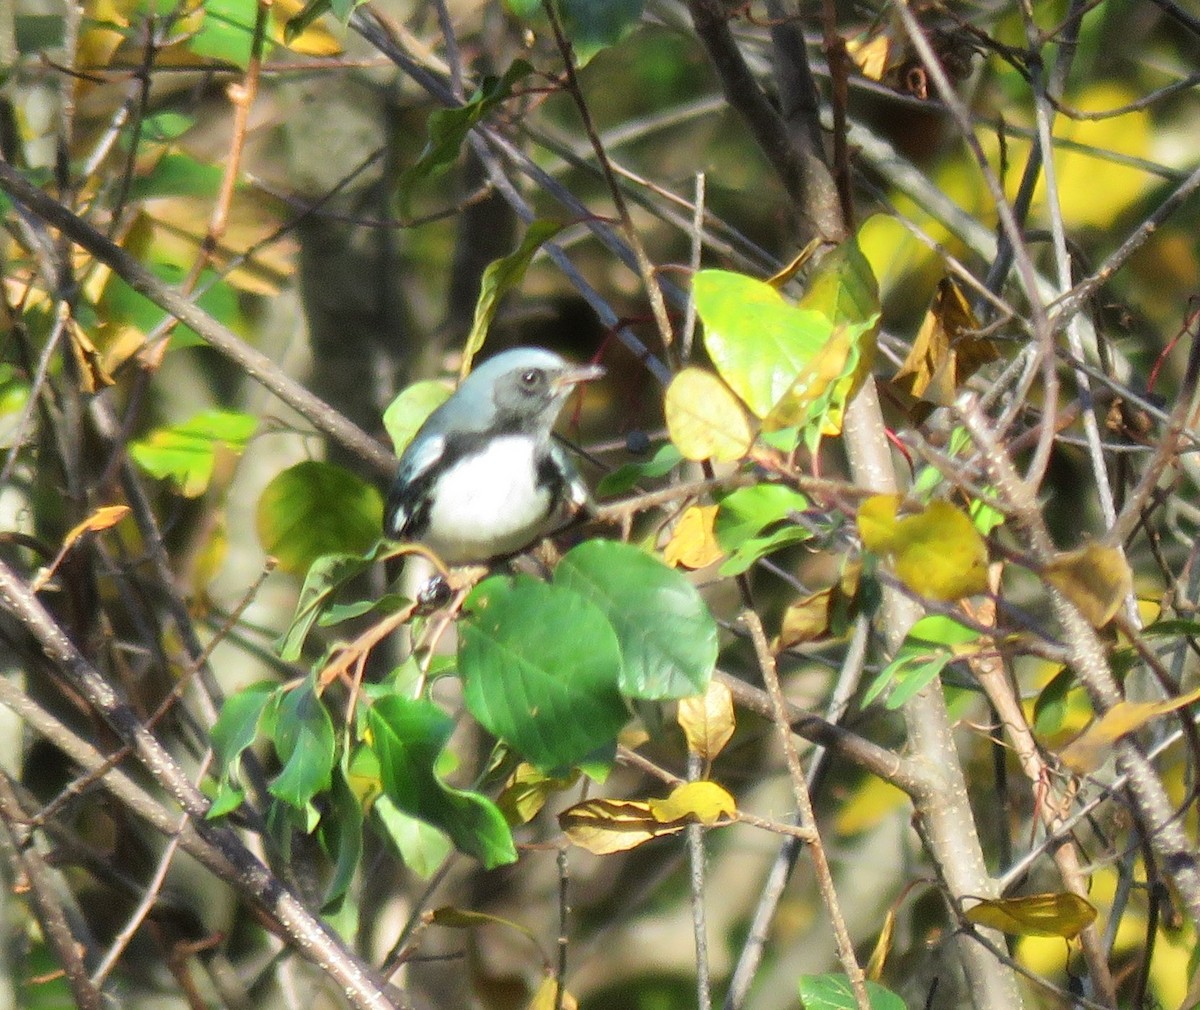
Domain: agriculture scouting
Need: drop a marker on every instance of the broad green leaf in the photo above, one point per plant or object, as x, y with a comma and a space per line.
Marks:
408, 735
408, 411
186, 453
227, 32
667, 637
666, 457
388, 603
448, 128
1051, 914
704, 418
540, 667
176, 174
833, 992
758, 342
755, 521
304, 740
235, 730
422, 846
500, 277
314, 508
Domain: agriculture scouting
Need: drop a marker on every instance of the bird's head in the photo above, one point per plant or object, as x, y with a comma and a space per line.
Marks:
526, 387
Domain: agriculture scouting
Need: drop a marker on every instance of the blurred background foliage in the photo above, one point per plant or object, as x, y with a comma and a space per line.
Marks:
287, 193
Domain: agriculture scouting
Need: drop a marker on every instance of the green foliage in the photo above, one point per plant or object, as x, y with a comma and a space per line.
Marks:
932, 643
315, 509
540, 667
304, 741
667, 638
408, 411
833, 992
755, 521
186, 453
666, 457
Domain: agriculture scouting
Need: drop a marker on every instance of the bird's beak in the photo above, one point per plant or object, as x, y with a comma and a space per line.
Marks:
577, 374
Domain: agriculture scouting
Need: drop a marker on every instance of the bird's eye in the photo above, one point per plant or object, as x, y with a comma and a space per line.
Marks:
530, 378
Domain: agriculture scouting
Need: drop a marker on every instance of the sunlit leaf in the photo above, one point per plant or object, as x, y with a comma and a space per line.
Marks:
667, 637
315, 508
693, 542
1095, 578
500, 277
704, 419
304, 741
408, 735
946, 351
937, 552
186, 453
1087, 752
696, 803
547, 997
755, 521
1050, 914
527, 790
411, 408
552, 697
707, 720
606, 826
834, 992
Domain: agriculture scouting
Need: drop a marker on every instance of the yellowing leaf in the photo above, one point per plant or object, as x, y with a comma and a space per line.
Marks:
527, 791
707, 720
693, 543
606, 826
1095, 578
315, 40
694, 803
704, 418
945, 351
877, 522
871, 56
1049, 914
869, 804
547, 998
103, 518
806, 620
1086, 752
937, 552
883, 945
815, 380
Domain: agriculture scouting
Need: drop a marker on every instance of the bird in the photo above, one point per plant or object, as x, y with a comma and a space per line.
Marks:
483, 478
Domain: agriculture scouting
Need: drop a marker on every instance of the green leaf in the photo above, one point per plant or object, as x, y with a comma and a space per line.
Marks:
186, 453
758, 342
407, 735
227, 32
422, 846
448, 128
624, 477
176, 174
36, 33
928, 647
121, 304
304, 740
315, 508
408, 411
540, 667
341, 837
744, 521
324, 577
389, 603
833, 992
235, 730
667, 637
502, 276
592, 26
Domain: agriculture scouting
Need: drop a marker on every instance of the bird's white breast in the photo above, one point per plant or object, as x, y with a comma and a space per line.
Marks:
489, 503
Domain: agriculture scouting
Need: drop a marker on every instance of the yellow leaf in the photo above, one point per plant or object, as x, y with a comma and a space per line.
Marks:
527, 791
1049, 914
883, 945
1087, 751
693, 543
546, 997
877, 522
92, 374
945, 351
103, 518
704, 419
707, 720
694, 803
869, 804
315, 40
806, 620
606, 826
1095, 578
870, 56
826, 368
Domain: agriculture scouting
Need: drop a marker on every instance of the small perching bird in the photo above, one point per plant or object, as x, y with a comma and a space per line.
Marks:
483, 477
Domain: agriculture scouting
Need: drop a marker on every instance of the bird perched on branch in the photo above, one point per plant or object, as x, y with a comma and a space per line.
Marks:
483, 477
